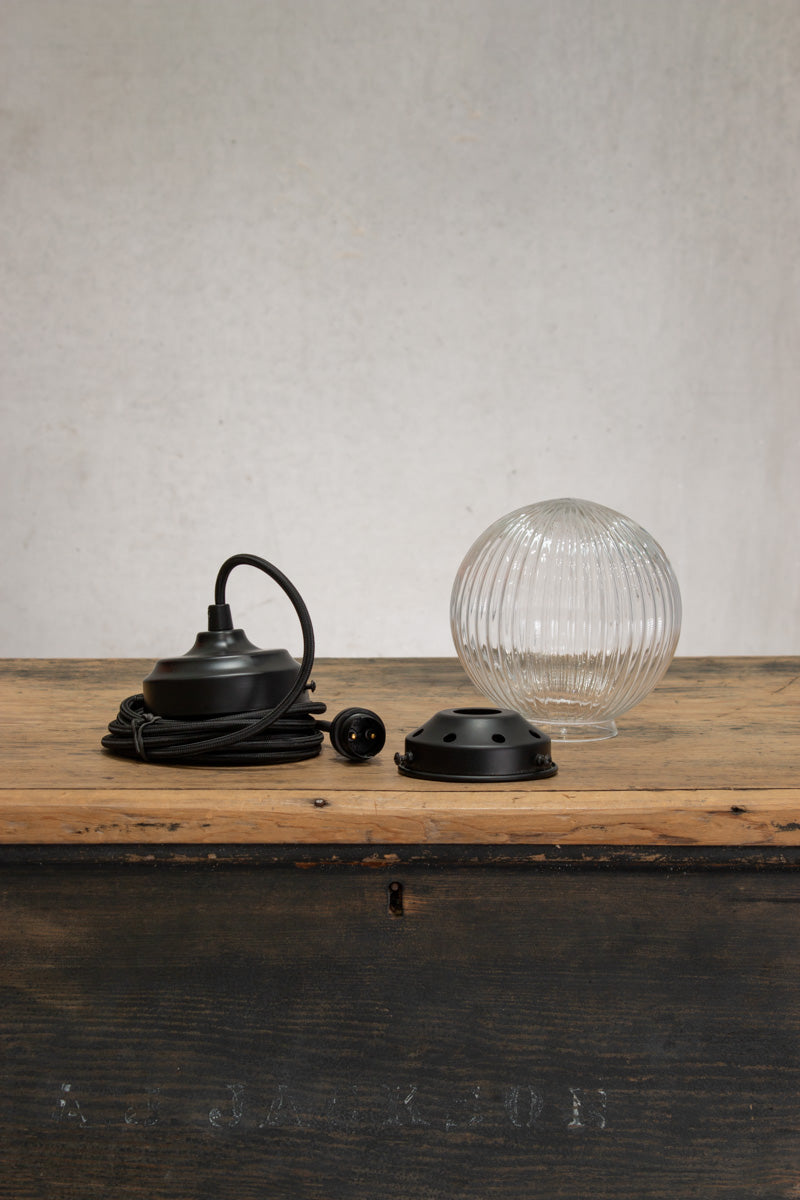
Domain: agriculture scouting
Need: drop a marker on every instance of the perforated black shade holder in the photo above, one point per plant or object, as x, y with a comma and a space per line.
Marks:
477, 745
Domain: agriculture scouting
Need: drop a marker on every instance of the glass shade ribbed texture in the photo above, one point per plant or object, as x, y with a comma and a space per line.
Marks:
567, 612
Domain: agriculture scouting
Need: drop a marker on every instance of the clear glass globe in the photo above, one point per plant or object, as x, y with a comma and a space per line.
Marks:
567, 612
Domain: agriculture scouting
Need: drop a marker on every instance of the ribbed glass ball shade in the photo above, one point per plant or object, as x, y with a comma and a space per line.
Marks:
567, 612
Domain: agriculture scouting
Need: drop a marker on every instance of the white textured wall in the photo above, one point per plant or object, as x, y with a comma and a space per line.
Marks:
339, 282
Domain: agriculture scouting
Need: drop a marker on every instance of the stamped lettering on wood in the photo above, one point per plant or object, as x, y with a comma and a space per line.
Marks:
349, 1108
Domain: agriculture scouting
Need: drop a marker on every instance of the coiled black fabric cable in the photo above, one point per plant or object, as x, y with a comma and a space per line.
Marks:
286, 733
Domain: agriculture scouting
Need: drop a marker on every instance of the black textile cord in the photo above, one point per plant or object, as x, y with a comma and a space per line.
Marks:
288, 732
289, 739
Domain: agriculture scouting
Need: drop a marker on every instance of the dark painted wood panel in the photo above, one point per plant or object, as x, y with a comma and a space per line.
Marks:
391, 857
271, 1033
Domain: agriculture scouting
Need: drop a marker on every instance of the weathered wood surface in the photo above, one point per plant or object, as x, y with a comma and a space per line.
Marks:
711, 758
177, 1034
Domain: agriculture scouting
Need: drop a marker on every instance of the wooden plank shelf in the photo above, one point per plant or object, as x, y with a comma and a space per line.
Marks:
710, 758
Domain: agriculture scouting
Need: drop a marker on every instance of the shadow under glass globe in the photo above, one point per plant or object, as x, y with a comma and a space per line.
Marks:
567, 612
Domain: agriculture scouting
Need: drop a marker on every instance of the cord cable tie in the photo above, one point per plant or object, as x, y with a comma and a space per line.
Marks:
138, 724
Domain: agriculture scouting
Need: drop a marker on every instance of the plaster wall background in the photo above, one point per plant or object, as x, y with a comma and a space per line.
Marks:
341, 283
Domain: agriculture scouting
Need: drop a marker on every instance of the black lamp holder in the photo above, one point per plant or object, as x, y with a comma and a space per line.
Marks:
227, 702
477, 745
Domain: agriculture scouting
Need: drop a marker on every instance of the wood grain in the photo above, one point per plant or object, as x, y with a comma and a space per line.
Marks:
712, 758
195, 1035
